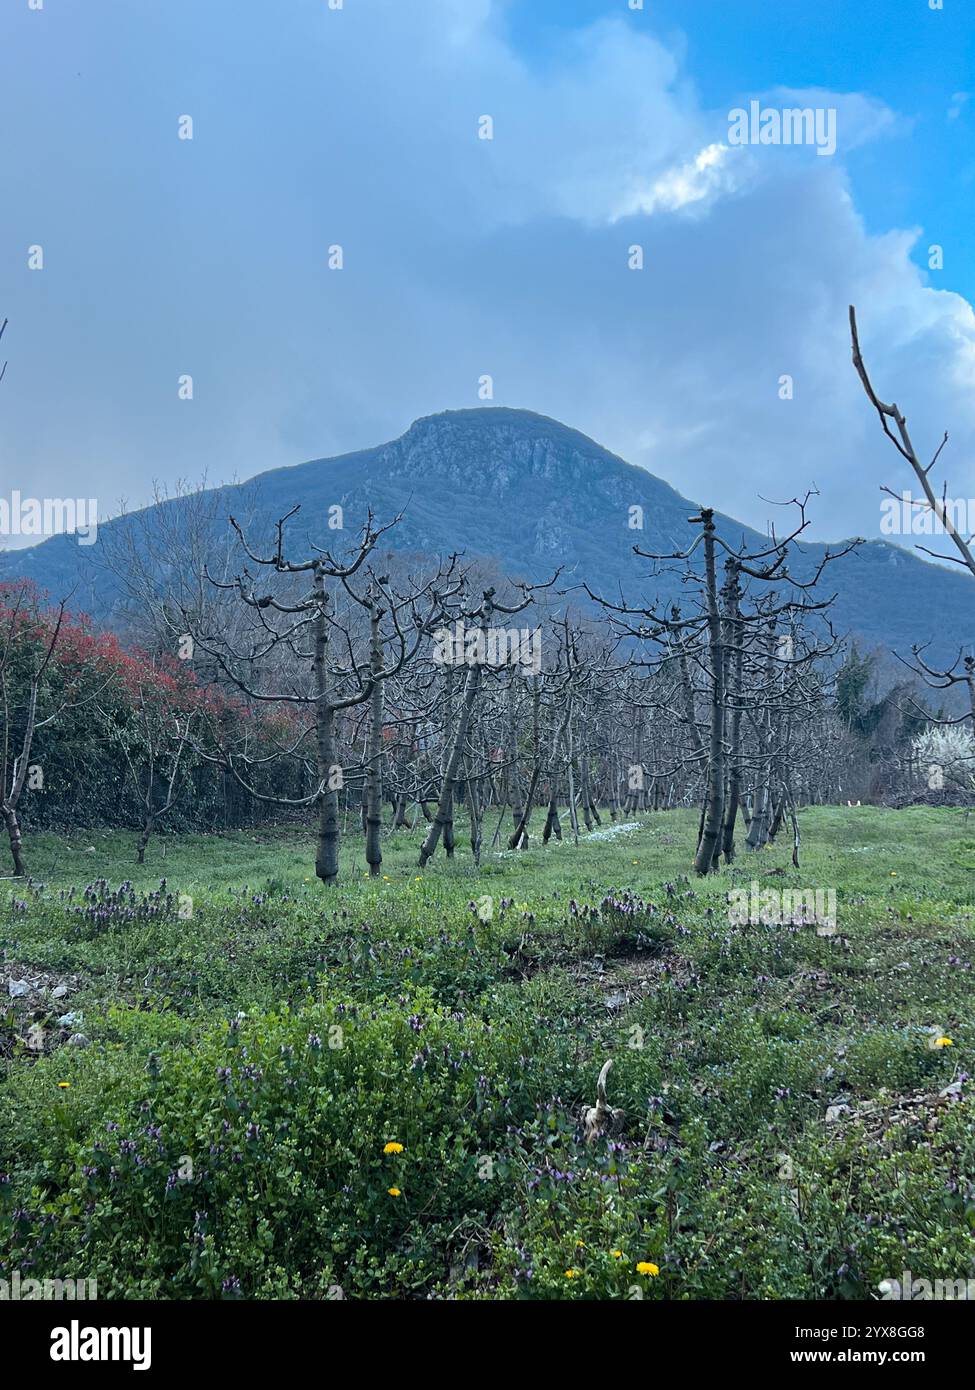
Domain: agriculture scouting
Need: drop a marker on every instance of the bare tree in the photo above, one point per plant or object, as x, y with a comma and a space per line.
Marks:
962, 670
153, 746
304, 652
478, 620
27, 647
734, 655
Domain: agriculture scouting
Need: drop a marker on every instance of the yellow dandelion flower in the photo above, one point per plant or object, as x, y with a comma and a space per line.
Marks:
647, 1267
616, 1254
580, 1245
393, 1148
943, 1042
64, 1085
572, 1274
394, 1192
893, 873
385, 878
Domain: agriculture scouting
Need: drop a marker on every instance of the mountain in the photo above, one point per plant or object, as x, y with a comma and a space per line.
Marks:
530, 493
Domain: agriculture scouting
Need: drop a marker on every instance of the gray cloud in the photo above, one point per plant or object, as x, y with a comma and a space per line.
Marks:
462, 257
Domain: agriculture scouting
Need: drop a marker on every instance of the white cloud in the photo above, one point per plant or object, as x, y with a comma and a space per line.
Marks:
697, 181
859, 118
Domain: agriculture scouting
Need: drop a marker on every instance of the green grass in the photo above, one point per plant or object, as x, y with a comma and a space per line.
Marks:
195, 1153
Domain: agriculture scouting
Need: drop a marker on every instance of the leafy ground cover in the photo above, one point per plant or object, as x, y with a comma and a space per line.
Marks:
219, 1080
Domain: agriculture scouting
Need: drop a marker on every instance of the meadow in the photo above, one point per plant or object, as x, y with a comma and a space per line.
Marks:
220, 1080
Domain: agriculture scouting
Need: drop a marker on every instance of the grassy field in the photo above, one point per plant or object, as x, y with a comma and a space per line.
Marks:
199, 1079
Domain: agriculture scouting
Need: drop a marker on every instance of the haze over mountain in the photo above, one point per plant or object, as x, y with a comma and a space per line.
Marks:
531, 494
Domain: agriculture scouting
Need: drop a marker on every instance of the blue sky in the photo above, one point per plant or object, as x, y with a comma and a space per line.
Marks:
315, 127
900, 51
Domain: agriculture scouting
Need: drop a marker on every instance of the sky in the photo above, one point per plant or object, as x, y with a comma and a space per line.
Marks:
317, 125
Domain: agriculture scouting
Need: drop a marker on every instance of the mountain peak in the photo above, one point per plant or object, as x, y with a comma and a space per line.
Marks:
481, 415
529, 493
490, 449
510, 422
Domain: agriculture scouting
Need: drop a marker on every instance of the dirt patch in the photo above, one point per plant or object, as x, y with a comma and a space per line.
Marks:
899, 1117
36, 1015
623, 980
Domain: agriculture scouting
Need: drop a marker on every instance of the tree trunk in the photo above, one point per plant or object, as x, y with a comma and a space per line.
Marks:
374, 772
705, 859
140, 852
553, 826
476, 813
327, 852
443, 819
16, 842
758, 830
520, 833
734, 656
515, 793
